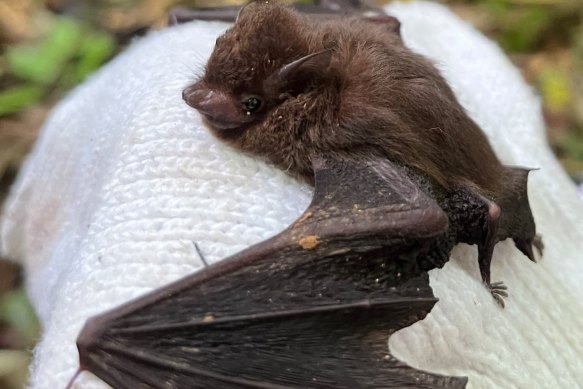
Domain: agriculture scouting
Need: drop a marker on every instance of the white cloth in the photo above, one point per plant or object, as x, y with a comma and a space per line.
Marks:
124, 178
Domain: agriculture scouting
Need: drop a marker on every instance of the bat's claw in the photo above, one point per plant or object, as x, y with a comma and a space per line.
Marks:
526, 246
498, 291
537, 242
498, 285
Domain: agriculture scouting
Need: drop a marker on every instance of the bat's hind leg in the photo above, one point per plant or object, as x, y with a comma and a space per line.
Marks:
486, 250
478, 222
485, 222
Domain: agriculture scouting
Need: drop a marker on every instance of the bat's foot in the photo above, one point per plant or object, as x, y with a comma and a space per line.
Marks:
498, 291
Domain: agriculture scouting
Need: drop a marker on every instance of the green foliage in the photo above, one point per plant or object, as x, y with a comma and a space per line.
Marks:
524, 32
16, 311
94, 50
496, 7
19, 97
66, 56
555, 89
524, 25
42, 63
11, 360
578, 45
573, 145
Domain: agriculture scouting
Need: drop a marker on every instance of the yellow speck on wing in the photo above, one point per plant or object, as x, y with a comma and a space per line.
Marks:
208, 318
340, 251
309, 242
304, 217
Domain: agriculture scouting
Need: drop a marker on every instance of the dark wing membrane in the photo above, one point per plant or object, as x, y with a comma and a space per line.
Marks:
343, 346
516, 219
310, 308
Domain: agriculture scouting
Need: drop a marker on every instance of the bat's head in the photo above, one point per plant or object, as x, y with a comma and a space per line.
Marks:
259, 76
273, 82
256, 65
230, 99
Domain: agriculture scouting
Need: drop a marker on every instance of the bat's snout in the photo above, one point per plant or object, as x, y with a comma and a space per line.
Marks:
219, 109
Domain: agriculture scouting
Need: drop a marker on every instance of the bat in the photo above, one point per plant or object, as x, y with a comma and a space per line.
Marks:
313, 306
309, 308
286, 87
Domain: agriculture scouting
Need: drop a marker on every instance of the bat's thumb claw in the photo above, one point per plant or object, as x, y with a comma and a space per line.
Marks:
526, 247
538, 244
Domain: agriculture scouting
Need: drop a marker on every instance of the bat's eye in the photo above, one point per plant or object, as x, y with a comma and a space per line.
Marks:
252, 104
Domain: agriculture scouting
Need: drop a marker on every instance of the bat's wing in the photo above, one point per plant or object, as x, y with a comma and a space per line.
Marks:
516, 219
310, 308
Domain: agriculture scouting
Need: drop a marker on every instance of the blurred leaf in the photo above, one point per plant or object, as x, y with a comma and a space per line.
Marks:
497, 7
524, 28
17, 98
578, 45
555, 89
13, 368
537, 2
573, 146
573, 167
42, 63
94, 51
11, 360
16, 311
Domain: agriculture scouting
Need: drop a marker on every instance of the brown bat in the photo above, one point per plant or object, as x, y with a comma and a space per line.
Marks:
401, 175
288, 86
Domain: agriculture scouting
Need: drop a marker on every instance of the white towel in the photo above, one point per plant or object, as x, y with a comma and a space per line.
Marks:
124, 179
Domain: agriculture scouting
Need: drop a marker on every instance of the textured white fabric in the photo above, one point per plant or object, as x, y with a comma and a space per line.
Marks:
124, 179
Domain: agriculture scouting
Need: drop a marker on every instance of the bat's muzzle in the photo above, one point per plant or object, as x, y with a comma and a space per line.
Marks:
219, 109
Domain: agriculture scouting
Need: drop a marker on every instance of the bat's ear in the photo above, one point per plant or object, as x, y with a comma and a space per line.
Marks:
391, 23
296, 75
254, 6
244, 9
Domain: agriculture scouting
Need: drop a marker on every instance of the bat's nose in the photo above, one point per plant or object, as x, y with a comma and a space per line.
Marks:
202, 99
217, 106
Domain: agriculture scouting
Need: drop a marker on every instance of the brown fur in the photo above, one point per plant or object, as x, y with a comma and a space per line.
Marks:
376, 98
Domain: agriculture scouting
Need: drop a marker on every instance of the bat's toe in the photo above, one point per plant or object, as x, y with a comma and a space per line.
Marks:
498, 291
